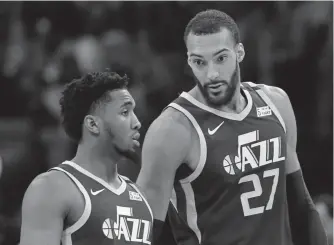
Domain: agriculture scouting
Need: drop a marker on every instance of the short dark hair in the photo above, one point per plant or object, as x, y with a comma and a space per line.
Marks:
211, 21
81, 96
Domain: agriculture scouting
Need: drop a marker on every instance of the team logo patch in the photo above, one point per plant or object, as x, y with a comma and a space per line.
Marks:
127, 228
135, 196
263, 111
253, 153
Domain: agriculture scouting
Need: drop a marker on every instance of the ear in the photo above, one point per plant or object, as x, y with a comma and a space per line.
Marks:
188, 59
92, 124
240, 51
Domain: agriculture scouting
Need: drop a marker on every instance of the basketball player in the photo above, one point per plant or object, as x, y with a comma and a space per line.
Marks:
85, 200
224, 153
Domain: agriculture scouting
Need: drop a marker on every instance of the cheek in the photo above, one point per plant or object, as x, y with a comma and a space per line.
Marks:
120, 128
228, 68
199, 73
112, 127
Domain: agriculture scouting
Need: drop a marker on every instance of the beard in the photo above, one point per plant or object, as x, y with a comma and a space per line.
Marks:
222, 97
132, 154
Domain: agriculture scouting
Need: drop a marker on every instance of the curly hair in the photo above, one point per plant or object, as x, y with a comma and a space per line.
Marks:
211, 21
81, 96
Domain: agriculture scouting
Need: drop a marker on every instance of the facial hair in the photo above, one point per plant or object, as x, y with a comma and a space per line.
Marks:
219, 100
130, 154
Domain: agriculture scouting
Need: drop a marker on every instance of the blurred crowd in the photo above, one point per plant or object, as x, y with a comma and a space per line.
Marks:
44, 45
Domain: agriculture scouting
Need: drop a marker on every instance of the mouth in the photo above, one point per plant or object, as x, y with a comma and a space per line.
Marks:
216, 87
135, 139
136, 136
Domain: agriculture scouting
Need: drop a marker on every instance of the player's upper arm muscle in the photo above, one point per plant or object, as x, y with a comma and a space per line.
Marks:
166, 146
43, 212
283, 104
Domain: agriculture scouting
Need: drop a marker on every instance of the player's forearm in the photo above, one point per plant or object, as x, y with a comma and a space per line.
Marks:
306, 226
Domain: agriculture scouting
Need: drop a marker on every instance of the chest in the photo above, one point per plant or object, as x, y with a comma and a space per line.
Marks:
124, 217
235, 148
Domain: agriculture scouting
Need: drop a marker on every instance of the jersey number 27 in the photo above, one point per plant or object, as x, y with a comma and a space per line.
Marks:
255, 179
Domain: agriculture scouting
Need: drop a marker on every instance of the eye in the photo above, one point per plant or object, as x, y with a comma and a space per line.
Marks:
198, 62
222, 58
125, 112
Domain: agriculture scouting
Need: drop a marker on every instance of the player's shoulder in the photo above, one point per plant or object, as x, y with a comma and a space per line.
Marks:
171, 122
49, 187
175, 116
47, 180
170, 135
274, 92
280, 99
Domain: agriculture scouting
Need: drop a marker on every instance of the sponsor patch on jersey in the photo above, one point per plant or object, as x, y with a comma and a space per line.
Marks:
135, 196
263, 111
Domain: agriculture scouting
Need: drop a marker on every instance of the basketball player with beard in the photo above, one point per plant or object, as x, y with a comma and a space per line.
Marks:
224, 153
85, 200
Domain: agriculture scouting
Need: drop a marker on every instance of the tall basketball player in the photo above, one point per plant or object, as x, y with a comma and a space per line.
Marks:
85, 200
224, 153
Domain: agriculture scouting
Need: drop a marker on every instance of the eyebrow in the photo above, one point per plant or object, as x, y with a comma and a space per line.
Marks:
218, 52
127, 103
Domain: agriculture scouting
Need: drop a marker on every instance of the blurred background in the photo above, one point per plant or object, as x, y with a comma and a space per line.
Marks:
44, 45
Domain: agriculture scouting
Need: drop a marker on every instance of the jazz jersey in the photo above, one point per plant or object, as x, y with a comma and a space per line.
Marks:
110, 216
237, 193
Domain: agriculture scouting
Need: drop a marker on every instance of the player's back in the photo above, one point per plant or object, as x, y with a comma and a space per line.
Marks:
237, 194
110, 216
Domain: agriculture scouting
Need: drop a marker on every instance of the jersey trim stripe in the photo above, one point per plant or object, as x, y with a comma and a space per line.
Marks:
118, 191
66, 240
125, 178
88, 205
146, 202
181, 201
191, 210
266, 99
251, 84
173, 199
202, 142
232, 116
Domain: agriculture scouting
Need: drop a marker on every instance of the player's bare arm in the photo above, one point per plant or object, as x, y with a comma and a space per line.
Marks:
45, 207
166, 146
305, 222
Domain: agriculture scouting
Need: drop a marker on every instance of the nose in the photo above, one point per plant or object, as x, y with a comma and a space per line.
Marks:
135, 122
212, 74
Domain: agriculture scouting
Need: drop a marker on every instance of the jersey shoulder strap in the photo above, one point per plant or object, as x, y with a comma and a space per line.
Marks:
259, 89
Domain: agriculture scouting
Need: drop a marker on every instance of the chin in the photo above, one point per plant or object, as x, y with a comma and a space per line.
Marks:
218, 100
132, 153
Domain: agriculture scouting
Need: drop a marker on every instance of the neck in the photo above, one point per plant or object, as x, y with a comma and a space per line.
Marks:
98, 163
236, 105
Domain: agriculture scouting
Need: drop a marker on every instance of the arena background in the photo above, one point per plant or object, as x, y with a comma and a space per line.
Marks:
43, 45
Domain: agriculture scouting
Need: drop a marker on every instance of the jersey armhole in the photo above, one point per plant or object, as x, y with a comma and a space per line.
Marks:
202, 142
87, 210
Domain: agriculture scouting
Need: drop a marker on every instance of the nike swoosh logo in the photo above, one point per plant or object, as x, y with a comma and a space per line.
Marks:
94, 193
211, 132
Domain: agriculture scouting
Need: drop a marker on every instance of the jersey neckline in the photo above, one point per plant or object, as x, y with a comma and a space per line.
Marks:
117, 191
232, 116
